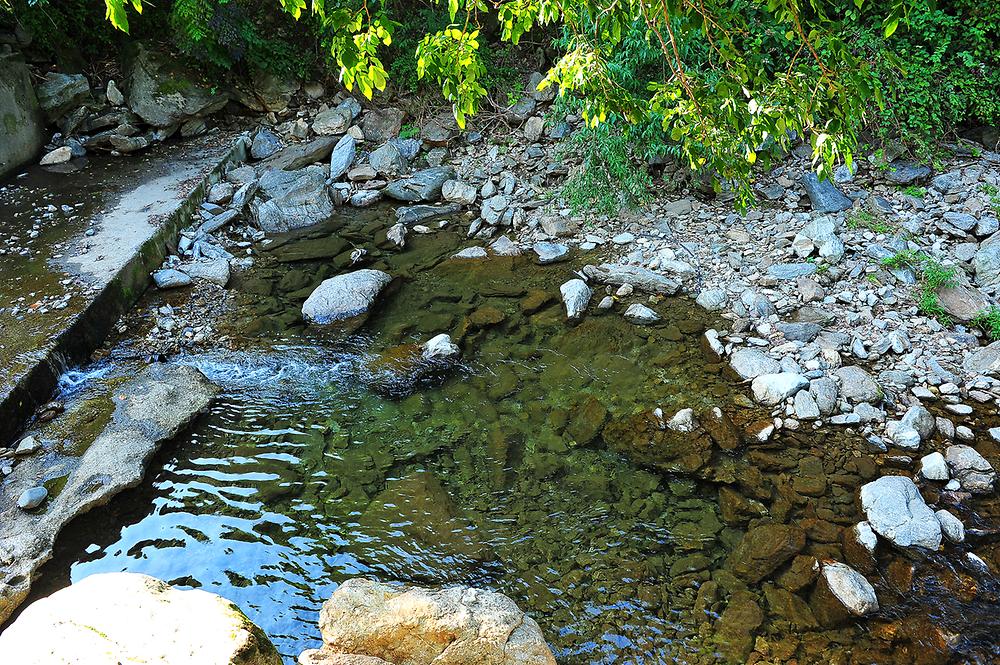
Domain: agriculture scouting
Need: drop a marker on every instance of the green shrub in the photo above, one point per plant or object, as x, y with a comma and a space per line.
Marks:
931, 276
609, 178
989, 321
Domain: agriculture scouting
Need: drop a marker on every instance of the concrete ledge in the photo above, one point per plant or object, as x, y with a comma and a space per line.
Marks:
117, 286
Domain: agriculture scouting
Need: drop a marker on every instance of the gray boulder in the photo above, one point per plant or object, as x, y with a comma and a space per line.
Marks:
21, 134
421, 213
985, 360
380, 125
751, 363
61, 93
213, 271
344, 296
387, 160
424, 185
987, 261
299, 199
971, 469
897, 512
641, 314
300, 155
459, 192
906, 173
857, 385
171, 279
265, 143
163, 92
342, 157
332, 121
824, 195
550, 252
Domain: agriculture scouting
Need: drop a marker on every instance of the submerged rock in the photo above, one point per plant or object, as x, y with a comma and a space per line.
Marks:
344, 296
897, 512
642, 438
114, 618
412, 626
550, 252
400, 370
765, 548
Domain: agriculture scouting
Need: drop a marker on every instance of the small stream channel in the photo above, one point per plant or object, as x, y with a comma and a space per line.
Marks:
524, 471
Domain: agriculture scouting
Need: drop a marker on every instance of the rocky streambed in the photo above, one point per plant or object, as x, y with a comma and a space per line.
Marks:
608, 470
683, 437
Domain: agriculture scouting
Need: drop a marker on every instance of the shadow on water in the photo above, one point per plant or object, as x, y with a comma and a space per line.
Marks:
527, 470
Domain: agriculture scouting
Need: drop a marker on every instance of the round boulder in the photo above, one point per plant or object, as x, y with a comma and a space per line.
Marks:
118, 618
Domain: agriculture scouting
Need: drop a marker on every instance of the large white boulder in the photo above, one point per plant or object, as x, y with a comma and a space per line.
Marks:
413, 626
344, 296
117, 618
771, 389
576, 296
897, 512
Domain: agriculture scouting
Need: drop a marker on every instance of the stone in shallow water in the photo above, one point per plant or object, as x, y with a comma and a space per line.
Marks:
344, 296
32, 498
934, 467
951, 526
641, 314
114, 618
842, 593
970, 468
576, 296
424, 185
897, 512
641, 279
550, 252
772, 389
471, 253
764, 549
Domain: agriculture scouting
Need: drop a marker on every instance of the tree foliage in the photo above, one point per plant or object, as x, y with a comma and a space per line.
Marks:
728, 84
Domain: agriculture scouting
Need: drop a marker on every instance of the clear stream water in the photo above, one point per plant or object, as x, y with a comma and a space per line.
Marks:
527, 469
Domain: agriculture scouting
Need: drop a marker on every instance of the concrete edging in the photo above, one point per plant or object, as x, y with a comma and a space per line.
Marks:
86, 331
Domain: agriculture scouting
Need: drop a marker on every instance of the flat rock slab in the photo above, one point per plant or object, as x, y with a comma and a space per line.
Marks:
145, 411
132, 206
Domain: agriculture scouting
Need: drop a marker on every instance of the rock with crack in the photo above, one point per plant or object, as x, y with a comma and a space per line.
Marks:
641, 279
897, 512
114, 618
148, 411
414, 626
971, 469
345, 296
298, 199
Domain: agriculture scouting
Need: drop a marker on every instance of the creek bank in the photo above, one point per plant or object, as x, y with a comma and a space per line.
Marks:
105, 450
